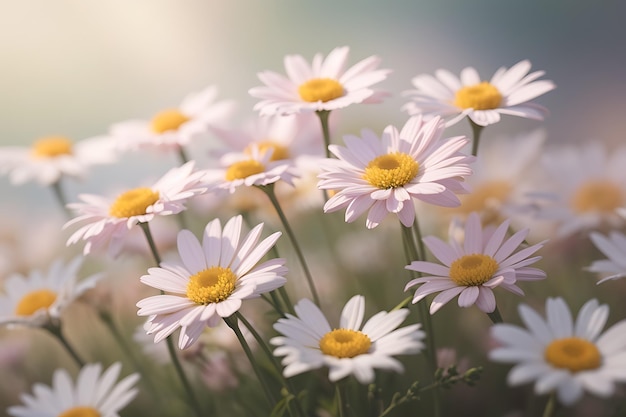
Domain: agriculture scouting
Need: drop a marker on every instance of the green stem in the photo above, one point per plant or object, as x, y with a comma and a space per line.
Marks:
182, 155
551, 406
269, 190
341, 405
476, 131
145, 226
323, 116
60, 197
495, 316
54, 327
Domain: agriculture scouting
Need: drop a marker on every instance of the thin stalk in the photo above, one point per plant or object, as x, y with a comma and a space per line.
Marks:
269, 190
182, 155
551, 406
146, 231
495, 316
60, 197
341, 405
323, 116
54, 327
476, 131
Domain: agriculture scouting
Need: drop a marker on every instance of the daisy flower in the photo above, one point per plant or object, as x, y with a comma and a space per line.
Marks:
309, 342
562, 355
50, 158
508, 92
471, 270
176, 127
382, 175
324, 85
210, 281
104, 221
39, 297
95, 393
613, 247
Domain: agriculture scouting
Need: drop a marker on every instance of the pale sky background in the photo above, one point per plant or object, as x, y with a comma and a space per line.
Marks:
74, 67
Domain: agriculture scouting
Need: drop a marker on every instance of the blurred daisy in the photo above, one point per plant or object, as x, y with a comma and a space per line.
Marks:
39, 297
508, 92
561, 355
103, 221
583, 188
325, 84
95, 393
50, 158
471, 270
382, 175
210, 281
309, 342
613, 247
175, 127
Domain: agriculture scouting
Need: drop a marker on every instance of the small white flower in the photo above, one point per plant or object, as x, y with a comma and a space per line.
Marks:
562, 355
309, 342
614, 247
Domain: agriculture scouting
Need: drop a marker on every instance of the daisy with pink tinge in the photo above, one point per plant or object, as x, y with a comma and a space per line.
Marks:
485, 260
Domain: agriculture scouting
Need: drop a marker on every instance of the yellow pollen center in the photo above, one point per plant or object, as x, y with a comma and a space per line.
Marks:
133, 203
320, 89
170, 119
482, 96
597, 195
34, 301
80, 412
391, 171
51, 146
573, 354
211, 285
243, 169
345, 343
279, 152
473, 270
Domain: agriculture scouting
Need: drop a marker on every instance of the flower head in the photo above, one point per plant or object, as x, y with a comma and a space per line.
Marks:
613, 247
50, 158
95, 393
471, 270
383, 175
210, 281
561, 354
483, 102
309, 342
103, 221
39, 297
325, 84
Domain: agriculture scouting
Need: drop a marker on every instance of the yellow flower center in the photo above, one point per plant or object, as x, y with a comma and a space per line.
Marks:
133, 203
482, 96
573, 354
34, 301
80, 412
345, 343
211, 285
279, 152
51, 146
597, 195
320, 89
243, 169
391, 171
473, 270
170, 119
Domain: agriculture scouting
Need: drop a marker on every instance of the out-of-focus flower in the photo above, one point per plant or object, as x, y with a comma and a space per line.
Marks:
561, 355
325, 84
614, 247
177, 127
50, 158
95, 393
484, 261
35, 299
211, 281
508, 92
103, 221
309, 342
382, 176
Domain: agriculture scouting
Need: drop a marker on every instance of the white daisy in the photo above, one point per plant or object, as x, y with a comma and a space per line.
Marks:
95, 393
175, 127
323, 85
561, 354
382, 175
50, 158
472, 269
613, 247
35, 299
103, 221
309, 342
211, 280
483, 102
